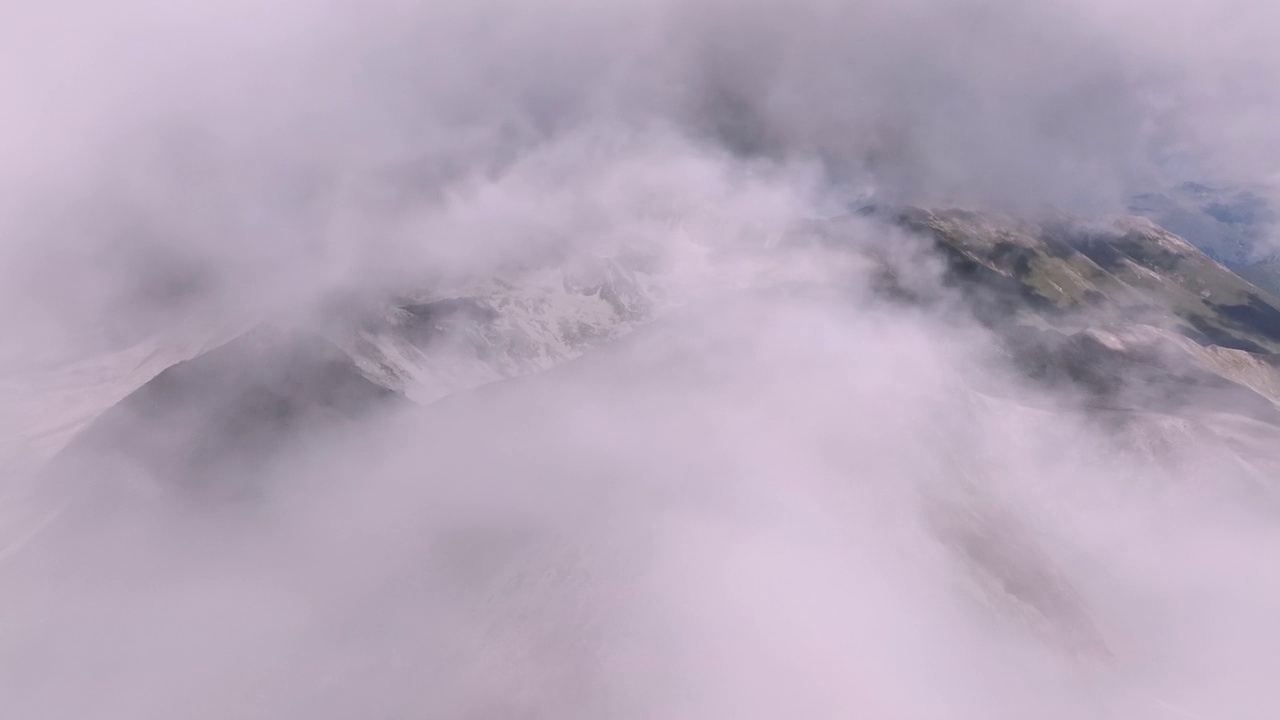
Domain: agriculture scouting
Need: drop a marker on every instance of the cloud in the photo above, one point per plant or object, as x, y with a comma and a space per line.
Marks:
767, 503
191, 150
787, 497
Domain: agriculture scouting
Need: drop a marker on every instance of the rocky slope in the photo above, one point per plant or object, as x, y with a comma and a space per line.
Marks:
1168, 347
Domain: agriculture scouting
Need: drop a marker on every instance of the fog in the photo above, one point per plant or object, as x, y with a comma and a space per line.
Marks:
784, 496
160, 153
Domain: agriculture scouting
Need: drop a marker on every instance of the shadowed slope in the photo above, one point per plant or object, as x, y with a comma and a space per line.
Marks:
209, 421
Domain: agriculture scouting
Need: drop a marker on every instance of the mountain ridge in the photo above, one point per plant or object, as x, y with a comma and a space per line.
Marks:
1179, 331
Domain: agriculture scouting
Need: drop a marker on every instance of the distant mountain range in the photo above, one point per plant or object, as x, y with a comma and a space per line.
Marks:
1238, 227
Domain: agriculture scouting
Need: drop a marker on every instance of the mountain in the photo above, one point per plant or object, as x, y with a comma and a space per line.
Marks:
427, 345
1231, 225
201, 411
1128, 269
480, 558
1234, 226
1163, 344
207, 424
1126, 312
1263, 273
1126, 277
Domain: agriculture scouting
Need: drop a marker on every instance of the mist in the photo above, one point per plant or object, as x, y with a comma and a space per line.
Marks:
160, 155
778, 493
